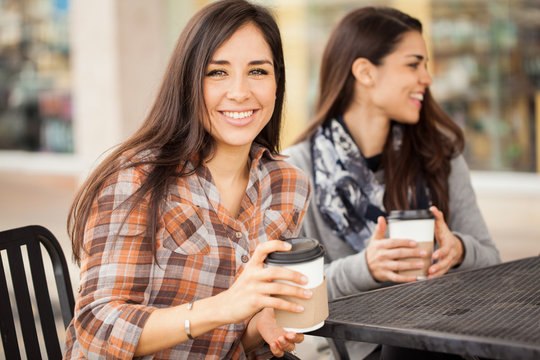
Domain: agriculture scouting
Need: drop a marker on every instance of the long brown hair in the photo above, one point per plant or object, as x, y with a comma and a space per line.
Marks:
174, 129
428, 146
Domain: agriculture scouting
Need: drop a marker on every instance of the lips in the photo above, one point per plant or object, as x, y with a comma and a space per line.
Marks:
239, 118
417, 98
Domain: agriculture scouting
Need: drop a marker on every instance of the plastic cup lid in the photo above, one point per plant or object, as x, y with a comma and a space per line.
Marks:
303, 249
410, 215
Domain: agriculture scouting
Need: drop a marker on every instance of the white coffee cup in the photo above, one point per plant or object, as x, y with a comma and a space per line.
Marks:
417, 225
307, 257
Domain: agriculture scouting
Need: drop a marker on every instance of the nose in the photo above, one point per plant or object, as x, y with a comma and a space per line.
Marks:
425, 77
239, 89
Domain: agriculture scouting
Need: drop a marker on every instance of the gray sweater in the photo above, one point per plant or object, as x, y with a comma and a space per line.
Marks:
347, 271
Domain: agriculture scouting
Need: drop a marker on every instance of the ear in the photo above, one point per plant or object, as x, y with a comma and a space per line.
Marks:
363, 71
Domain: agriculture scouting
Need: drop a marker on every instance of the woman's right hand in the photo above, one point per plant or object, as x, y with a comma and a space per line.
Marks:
385, 256
254, 287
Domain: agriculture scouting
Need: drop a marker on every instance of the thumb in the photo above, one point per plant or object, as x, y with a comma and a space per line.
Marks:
380, 229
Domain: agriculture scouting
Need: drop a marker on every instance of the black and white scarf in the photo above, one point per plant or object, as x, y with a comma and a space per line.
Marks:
348, 194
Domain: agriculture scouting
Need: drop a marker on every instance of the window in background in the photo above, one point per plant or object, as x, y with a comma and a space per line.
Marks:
35, 99
487, 77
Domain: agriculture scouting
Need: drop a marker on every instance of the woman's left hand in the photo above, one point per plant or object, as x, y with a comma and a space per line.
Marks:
278, 339
450, 252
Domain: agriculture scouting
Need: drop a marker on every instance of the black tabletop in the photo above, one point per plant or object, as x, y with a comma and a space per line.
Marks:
492, 312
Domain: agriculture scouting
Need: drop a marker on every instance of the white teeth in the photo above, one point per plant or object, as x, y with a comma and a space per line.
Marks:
417, 96
238, 115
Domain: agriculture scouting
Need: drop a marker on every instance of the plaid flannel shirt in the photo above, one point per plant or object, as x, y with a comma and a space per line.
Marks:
200, 249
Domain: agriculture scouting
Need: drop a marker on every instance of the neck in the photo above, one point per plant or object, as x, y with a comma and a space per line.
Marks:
368, 130
229, 164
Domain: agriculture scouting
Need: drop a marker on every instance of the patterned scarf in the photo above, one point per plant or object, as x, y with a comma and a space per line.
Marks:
347, 192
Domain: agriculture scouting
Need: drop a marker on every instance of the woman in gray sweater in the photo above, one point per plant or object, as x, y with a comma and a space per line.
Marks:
379, 142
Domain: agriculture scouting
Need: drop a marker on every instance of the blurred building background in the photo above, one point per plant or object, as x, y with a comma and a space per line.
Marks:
77, 77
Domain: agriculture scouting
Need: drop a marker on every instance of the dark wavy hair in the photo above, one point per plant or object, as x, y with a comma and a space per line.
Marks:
428, 146
174, 129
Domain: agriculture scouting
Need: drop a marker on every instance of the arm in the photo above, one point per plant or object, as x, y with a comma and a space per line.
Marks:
466, 221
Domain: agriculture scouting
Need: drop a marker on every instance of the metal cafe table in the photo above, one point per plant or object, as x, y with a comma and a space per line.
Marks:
492, 312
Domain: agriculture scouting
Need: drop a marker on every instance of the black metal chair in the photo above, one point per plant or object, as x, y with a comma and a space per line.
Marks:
11, 243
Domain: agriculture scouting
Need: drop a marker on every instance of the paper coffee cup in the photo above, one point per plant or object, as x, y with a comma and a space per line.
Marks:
417, 225
307, 257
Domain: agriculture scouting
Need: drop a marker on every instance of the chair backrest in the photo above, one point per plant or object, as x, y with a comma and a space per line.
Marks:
11, 243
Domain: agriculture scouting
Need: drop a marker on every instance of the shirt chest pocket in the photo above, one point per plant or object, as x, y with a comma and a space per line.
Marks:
280, 225
187, 233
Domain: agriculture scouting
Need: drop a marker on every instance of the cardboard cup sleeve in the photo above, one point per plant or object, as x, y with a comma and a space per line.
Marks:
315, 310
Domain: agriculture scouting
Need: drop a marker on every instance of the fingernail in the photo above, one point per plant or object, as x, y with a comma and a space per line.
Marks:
419, 264
288, 246
423, 253
308, 293
412, 243
299, 308
304, 279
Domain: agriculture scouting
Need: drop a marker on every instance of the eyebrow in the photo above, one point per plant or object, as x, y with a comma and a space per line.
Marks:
419, 57
254, 62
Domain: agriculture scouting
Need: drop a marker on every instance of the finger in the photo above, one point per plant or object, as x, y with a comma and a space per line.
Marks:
393, 243
286, 344
397, 266
400, 278
276, 350
439, 269
263, 249
380, 229
437, 213
272, 273
276, 288
279, 303
440, 253
289, 347
440, 223
405, 253
294, 337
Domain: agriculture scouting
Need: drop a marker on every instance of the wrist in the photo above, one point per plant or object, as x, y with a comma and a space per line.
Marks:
252, 339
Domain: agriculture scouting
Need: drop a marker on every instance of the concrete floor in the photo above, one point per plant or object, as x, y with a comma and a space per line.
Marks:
510, 205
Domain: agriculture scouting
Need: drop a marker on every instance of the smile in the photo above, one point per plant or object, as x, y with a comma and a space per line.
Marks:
417, 96
238, 115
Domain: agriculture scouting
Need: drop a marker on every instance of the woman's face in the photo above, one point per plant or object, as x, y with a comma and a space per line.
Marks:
401, 80
240, 88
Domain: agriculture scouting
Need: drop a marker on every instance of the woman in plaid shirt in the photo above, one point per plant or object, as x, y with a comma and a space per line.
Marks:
172, 229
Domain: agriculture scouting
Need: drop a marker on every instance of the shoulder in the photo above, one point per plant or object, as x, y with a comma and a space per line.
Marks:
299, 155
133, 170
283, 182
459, 170
279, 170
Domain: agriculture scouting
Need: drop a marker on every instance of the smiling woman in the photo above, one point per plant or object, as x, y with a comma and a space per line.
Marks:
171, 231
379, 142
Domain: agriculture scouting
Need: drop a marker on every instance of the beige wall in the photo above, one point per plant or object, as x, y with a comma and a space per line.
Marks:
119, 53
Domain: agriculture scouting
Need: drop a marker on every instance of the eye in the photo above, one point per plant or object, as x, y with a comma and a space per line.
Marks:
217, 73
258, 72
414, 65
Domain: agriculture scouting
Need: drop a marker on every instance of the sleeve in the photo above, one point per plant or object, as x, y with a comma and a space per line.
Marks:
346, 270
115, 274
466, 221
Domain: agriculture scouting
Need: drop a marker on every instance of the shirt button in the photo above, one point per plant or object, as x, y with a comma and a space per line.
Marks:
245, 258
238, 235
